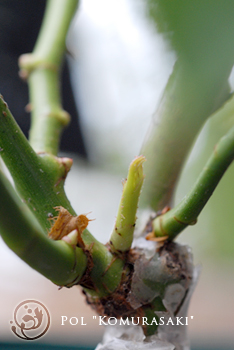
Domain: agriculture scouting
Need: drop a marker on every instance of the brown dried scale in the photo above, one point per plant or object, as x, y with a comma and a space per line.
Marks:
65, 223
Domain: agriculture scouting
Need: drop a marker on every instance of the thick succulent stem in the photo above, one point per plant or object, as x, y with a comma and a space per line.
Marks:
42, 69
38, 179
39, 175
63, 263
56, 260
106, 268
187, 211
187, 102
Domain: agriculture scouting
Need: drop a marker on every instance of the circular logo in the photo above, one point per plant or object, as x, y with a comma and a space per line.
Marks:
31, 320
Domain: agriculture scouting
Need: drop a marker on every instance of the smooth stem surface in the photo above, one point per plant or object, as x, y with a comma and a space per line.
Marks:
50, 44
42, 69
48, 118
188, 100
187, 211
56, 260
122, 235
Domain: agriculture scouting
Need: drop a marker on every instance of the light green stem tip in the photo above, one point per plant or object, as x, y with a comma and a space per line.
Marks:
122, 235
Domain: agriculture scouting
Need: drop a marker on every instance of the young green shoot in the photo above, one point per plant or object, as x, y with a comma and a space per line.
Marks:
122, 235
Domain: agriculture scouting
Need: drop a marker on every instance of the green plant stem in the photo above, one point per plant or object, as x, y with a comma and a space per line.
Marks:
188, 100
122, 235
48, 118
56, 260
40, 184
42, 69
38, 179
187, 211
107, 269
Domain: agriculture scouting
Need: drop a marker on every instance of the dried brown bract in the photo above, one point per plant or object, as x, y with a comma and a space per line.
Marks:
65, 223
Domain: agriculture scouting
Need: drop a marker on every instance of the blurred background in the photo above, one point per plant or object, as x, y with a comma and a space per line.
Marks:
117, 66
